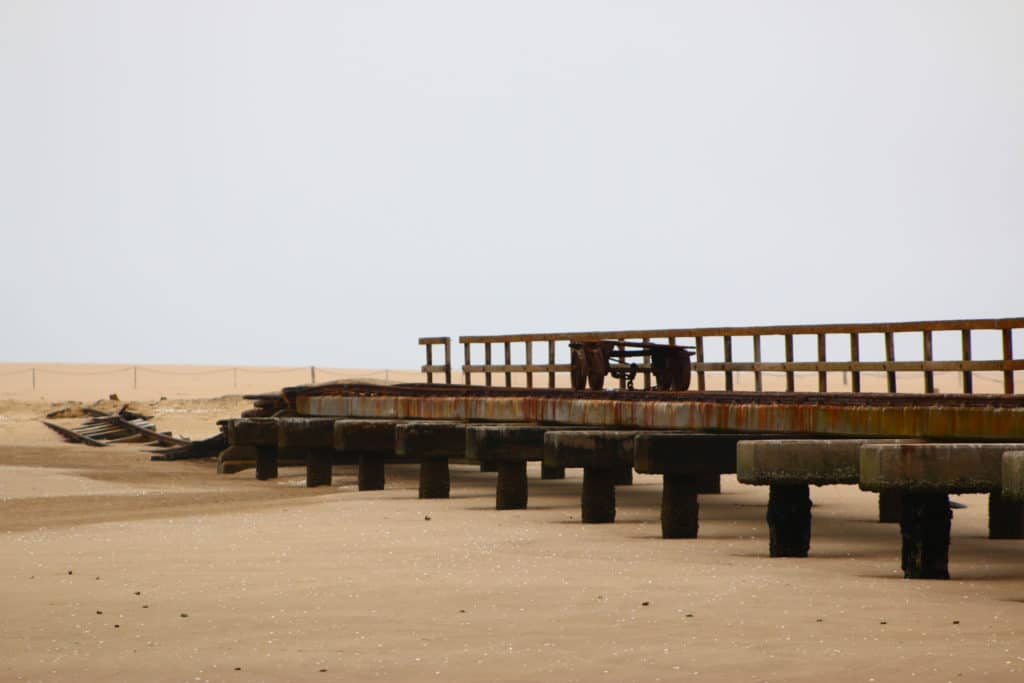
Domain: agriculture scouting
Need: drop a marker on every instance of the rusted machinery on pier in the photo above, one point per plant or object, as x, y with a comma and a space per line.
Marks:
593, 360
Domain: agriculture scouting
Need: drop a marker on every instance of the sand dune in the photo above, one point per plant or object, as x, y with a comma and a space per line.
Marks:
116, 568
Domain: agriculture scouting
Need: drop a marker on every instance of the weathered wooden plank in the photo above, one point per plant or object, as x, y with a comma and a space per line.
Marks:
155, 435
73, 436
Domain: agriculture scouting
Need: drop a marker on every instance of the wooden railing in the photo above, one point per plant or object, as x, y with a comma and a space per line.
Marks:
430, 368
999, 365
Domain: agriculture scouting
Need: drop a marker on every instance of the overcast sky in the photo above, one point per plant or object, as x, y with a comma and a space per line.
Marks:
322, 182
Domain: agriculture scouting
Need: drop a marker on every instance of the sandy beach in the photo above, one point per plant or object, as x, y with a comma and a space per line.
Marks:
116, 568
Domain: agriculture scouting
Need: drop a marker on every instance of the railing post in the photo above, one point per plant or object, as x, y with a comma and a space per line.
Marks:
1007, 357
699, 341
529, 363
854, 358
790, 379
929, 376
757, 360
890, 356
622, 360
822, 374
508, 362
487, 363
466, 363
965, 345
430, 362
447, 360
551, 363
647, 364
727, 354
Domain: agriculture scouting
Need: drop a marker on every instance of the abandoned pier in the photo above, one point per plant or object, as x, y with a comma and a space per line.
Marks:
913, 449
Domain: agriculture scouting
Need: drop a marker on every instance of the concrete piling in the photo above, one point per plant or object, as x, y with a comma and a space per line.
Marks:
318, 467
689, 463
598, 500
925, 526
602, 455
266, 463
508, 448
433, 443
709, 483
551, 472
512, 490
312, 440
789, 520
624, 474
256, 440
372, 442
890, 506
371, 474
435, 480
680, 509
1005, 516
925, 474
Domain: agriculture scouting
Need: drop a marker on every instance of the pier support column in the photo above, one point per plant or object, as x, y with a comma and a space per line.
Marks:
1005, 516
709, 483
598, 500
432, 443
435, 481
925, 528
603, 455
624, 474
512, 489
890, 506
789, 520
551, 472
690, 463
318, 467
927, 473
372, 442
680, 509
371, 473
266, 463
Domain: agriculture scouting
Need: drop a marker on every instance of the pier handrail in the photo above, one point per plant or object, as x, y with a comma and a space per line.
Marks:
699, 337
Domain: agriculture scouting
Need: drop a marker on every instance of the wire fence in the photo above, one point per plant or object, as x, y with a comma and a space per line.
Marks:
64, 382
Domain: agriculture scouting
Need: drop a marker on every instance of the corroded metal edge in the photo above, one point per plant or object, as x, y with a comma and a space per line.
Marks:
959, 423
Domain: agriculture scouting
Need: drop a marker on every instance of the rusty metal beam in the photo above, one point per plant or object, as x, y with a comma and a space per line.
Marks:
935, 416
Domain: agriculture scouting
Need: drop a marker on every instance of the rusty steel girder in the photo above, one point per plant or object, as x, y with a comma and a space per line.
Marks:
934, 416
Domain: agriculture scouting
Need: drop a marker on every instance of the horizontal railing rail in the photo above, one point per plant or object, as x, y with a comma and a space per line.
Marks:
888, 364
